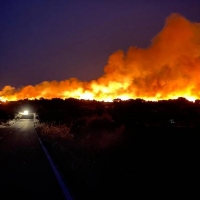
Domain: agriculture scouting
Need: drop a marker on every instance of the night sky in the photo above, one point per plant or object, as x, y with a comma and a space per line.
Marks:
45, 40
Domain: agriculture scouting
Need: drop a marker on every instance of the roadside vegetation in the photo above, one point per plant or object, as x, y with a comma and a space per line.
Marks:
94, 133
7, 114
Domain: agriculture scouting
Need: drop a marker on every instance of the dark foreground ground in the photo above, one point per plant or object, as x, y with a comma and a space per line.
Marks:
151, 162
148, 162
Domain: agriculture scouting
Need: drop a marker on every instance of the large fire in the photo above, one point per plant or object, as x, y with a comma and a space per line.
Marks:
169, 68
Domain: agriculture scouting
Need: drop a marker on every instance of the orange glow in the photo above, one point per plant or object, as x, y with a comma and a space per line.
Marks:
168, 69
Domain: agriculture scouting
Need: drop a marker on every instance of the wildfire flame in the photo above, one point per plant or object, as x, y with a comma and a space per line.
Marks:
168, 69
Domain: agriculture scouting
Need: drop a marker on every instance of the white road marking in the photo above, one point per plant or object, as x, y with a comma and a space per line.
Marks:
57, 174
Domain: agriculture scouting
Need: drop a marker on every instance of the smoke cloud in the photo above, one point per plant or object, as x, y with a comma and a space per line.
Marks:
169, 68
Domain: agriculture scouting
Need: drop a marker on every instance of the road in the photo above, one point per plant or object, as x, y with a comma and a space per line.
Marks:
25, 171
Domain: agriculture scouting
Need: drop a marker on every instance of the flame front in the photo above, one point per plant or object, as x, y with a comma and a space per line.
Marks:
169, 68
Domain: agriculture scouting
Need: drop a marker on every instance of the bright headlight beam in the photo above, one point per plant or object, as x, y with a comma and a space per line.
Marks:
25, 112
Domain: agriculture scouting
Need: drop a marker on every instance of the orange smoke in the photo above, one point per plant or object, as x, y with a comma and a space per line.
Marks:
168, 69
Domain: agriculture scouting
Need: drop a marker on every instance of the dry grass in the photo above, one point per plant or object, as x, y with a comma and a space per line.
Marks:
94, 133
53, 131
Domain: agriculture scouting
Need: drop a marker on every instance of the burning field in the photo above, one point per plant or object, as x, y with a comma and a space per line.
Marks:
169, 68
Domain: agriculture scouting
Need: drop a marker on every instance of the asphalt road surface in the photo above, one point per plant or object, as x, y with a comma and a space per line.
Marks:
25, 171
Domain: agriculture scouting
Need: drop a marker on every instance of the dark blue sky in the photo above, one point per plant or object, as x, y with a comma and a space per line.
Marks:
45, 40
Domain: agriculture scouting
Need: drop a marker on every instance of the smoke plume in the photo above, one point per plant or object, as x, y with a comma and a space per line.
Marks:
169, 68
